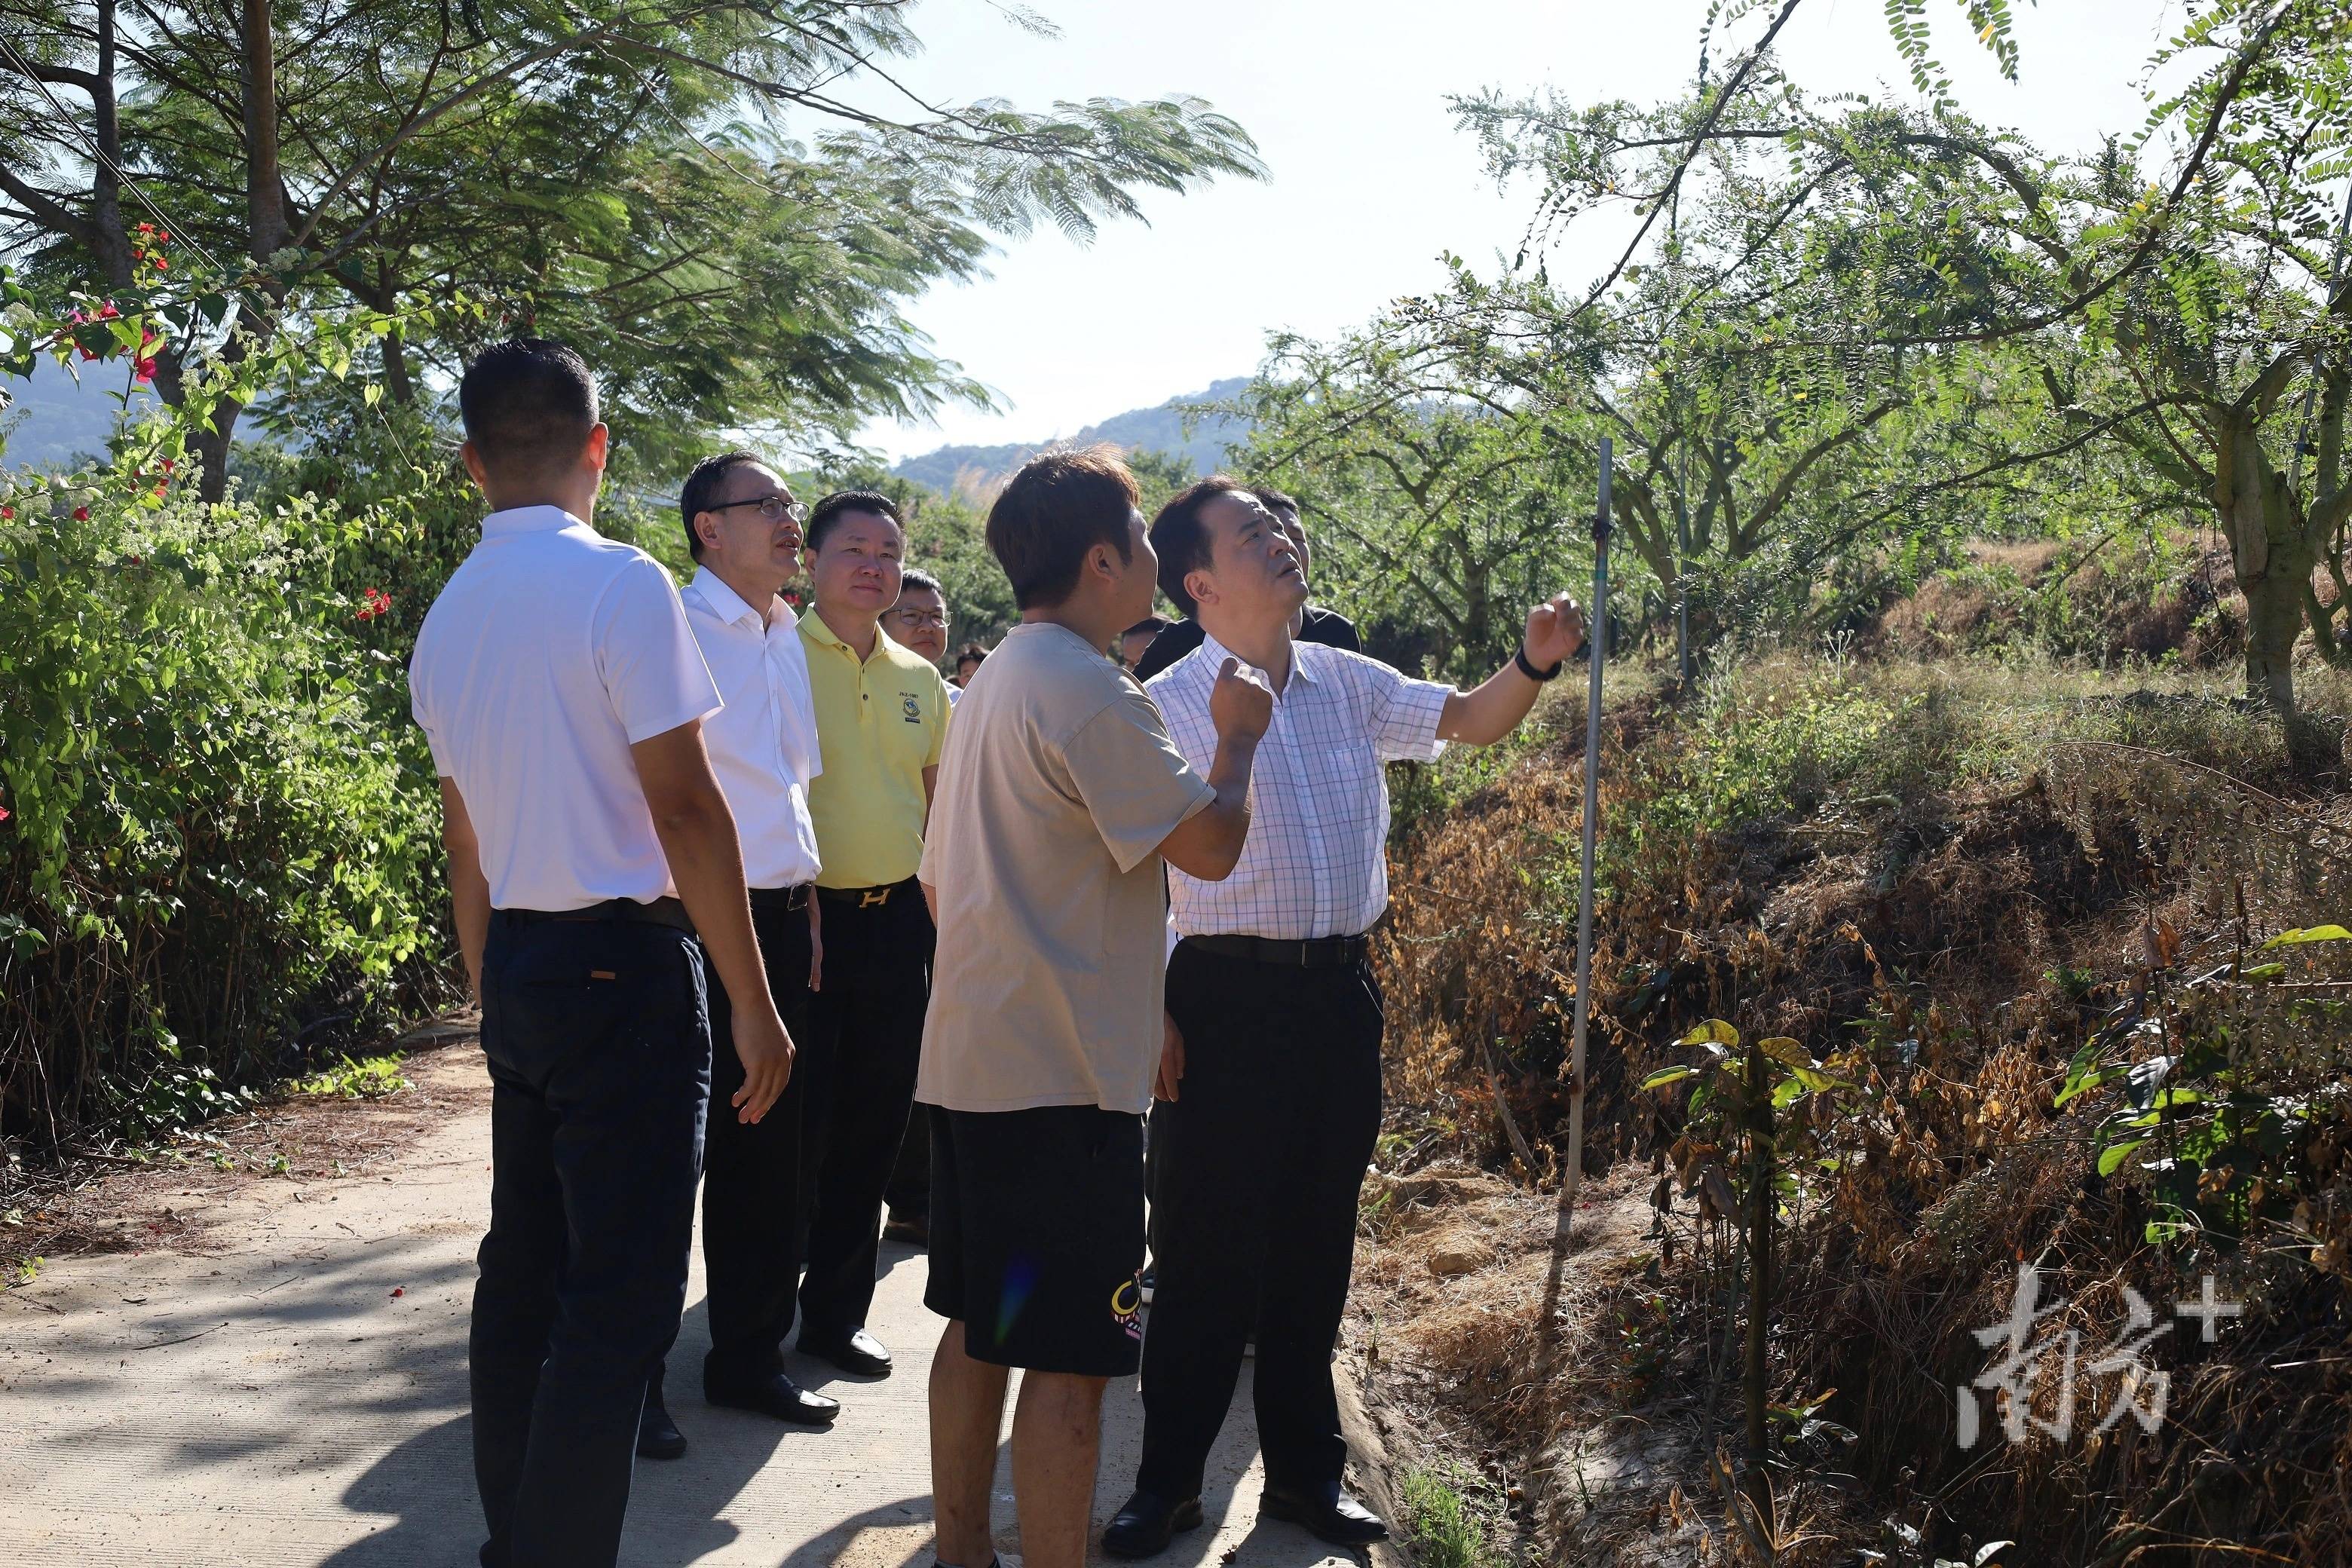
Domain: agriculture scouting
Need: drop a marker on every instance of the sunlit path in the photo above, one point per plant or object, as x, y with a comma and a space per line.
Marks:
296, 1396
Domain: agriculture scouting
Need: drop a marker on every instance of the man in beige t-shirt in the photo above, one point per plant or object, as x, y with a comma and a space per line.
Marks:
1059, 795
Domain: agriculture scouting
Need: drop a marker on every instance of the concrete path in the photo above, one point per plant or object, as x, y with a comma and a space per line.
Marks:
294, 1393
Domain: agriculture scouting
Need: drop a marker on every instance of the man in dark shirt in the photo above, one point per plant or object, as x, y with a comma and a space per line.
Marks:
1326, 626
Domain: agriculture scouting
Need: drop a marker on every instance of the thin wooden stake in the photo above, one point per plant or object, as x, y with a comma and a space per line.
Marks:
1597, 635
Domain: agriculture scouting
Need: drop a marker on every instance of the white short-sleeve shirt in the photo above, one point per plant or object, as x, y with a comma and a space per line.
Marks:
551, 652
1315, 863
763, 742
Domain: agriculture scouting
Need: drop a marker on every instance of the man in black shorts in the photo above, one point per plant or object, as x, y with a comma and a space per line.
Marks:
1059, 795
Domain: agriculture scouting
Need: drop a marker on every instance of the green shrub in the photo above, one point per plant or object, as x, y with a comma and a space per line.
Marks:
221, 848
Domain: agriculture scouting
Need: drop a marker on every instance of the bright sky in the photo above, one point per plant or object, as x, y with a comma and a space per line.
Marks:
1370, 181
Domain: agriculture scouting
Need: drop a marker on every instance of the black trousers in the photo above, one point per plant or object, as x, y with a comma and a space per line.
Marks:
909, 1192
1257, 1165
753, 1190
857, 1061
599, 1047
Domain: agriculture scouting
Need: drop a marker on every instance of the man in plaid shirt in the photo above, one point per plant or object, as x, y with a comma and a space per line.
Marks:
1270, 1076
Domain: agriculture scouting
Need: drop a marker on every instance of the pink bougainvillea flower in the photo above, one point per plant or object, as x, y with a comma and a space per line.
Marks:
162, 265
4, 814
81, 514
170, 463
108, 312
7, 514
145, 370
87, 354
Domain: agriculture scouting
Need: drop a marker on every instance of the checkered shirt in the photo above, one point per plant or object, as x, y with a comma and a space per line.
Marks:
1315, 863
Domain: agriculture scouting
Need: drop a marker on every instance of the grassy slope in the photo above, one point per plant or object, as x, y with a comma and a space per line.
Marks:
1940, 877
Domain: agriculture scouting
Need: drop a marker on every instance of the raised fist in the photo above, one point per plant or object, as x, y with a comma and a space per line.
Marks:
1239, 705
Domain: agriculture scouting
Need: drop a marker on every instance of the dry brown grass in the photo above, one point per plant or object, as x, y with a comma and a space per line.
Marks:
2013, 826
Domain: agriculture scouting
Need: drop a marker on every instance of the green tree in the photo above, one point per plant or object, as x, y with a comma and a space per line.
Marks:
724, 203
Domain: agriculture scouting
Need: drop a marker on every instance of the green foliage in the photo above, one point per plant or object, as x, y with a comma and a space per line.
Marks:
370, 1077
1444, 1528
217, 833
2214, 1110
176, 1098
731, 247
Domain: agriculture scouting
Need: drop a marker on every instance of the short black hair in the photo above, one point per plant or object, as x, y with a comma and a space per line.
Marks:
528, 404
971, 653
830, 510
1182, 543
1274, 500
701, 486
921, 581
1148, 624
1060, 506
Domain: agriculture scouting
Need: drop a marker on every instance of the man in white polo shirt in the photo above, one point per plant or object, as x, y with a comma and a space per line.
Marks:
1271, 1069
743, 530
563, 700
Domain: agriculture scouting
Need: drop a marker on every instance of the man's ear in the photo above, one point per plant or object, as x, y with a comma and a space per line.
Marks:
1200, 585
705, 529
600, 446
473, 468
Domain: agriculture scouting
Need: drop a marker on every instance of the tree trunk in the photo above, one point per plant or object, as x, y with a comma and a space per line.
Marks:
112, 244
265, 234
398, 384
2269, 555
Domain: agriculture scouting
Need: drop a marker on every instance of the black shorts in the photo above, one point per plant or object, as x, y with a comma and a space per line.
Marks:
1037, 1236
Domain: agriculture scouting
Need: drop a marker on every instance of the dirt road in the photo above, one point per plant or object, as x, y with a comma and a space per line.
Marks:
286, 1385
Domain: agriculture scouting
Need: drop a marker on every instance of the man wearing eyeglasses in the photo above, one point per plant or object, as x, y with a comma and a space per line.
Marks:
919, 621
882, 715
743, 528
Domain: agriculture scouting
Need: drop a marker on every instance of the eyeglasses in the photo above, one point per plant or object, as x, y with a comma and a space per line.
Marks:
924, 618
775, 508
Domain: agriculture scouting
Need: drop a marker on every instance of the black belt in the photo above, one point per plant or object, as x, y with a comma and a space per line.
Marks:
865, 897
660, 912
787, 898
1321, 953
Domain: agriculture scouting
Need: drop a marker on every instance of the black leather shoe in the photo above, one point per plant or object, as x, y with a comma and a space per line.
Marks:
1326, 1513
657, 1436
856, 1353
1146, 1524
777, 1395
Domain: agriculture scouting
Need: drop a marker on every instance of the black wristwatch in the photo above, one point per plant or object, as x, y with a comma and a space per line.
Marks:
1530, 671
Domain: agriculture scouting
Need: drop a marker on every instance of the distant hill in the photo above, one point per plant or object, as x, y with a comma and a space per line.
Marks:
1160, 429
51, 420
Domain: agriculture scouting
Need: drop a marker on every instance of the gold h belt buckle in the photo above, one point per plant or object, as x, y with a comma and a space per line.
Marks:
870, 897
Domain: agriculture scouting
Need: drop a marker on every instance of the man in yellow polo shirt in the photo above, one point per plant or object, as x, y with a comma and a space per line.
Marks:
881, 718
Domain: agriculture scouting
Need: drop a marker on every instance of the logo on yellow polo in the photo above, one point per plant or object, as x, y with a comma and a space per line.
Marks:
914, 710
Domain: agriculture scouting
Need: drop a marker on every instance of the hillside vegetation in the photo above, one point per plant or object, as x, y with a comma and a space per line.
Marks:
2019, 917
